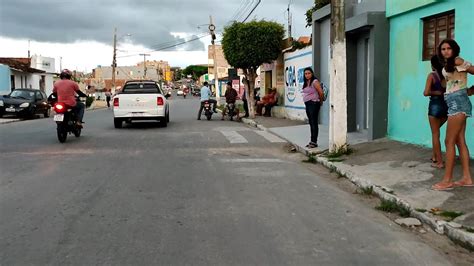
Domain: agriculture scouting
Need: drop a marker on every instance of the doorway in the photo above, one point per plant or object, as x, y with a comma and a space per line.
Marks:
363, 85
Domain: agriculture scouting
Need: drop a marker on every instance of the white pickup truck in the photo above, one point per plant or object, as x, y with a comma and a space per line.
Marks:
141, 100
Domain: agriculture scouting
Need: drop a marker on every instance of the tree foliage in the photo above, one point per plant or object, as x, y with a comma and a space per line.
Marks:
195, 71
248, 45
317, 5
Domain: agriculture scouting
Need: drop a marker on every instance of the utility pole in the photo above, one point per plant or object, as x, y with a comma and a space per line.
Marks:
212, 29
144, 65
114, 60
338, 82
60, 63
289, 22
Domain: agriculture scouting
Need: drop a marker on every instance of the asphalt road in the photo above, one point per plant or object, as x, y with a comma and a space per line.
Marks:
195, 192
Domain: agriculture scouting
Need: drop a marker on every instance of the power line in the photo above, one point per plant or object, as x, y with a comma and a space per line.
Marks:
246, 9
170, 46
252, 10
239, 10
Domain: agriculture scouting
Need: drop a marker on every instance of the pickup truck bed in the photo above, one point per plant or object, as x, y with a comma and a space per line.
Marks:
140, 100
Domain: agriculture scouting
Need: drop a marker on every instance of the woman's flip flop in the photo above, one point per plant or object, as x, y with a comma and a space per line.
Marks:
462, 184
442, 186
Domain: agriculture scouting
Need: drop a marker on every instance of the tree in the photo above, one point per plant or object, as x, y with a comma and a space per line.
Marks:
195, 71
317, 5
249, 45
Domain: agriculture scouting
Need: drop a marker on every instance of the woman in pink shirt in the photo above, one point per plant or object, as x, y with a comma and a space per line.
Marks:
312, 93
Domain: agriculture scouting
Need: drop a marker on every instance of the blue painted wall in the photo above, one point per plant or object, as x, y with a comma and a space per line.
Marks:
5, 86
408, 118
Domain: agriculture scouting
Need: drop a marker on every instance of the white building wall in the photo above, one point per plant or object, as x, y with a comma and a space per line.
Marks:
294, 65
23, 80
43, 63
32, 81
49, 83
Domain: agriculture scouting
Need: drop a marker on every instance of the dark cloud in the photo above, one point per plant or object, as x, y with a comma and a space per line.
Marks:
151, 22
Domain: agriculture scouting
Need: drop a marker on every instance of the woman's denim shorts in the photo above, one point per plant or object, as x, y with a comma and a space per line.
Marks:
458, 102
437, 107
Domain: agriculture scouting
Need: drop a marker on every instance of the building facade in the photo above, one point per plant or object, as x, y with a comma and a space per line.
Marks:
221, 64
416, 28
21, 73
367, 47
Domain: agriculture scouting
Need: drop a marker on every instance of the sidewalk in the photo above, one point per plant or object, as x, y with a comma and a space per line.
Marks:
395, 171
7, 120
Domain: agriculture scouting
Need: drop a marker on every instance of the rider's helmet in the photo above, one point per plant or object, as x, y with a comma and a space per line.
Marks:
65, 74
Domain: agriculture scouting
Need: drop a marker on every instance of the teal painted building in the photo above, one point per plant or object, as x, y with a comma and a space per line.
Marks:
416, 27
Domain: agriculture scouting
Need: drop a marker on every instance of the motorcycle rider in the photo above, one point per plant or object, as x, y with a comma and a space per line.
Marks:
185, 92
230, 98
65, 91
206, 96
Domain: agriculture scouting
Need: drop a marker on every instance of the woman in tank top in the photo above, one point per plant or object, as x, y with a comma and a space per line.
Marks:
437, 108
459, 109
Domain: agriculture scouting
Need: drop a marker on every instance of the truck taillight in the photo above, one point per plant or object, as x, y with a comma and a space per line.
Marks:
116, 101
159, 101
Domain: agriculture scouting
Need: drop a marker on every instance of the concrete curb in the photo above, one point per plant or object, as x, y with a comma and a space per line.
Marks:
8, 121
457, 235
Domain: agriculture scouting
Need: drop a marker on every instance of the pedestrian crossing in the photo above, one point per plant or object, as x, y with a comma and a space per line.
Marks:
270, 137
234, 137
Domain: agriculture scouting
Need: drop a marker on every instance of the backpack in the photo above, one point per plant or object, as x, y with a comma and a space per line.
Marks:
325, 91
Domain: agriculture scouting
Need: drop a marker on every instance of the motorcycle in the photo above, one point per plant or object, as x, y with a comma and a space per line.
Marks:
66, 121
208, 110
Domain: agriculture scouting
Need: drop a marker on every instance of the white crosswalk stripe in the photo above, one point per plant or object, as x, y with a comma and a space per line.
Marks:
269, 136
252, 160
234, 137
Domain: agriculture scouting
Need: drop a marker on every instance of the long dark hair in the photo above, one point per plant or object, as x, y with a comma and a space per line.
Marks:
449, 63
313, 77
438, 67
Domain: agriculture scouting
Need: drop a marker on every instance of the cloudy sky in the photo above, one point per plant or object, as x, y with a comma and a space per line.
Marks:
81, 31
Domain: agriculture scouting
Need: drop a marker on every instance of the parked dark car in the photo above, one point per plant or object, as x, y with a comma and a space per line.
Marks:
25, 103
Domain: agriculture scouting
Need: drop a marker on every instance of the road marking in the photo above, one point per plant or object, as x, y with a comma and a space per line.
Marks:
42, 153
234, 137
269, 136
253, 160
231, 129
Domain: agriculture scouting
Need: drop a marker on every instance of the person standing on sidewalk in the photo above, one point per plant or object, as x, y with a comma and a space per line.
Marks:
312, 95
459, 109
437, 109
108, 96
245, 101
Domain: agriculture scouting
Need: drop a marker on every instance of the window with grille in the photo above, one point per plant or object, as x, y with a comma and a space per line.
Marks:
436, 29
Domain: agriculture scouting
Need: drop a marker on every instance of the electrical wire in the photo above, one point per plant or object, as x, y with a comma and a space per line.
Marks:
167, 47
256, 5
239, 11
